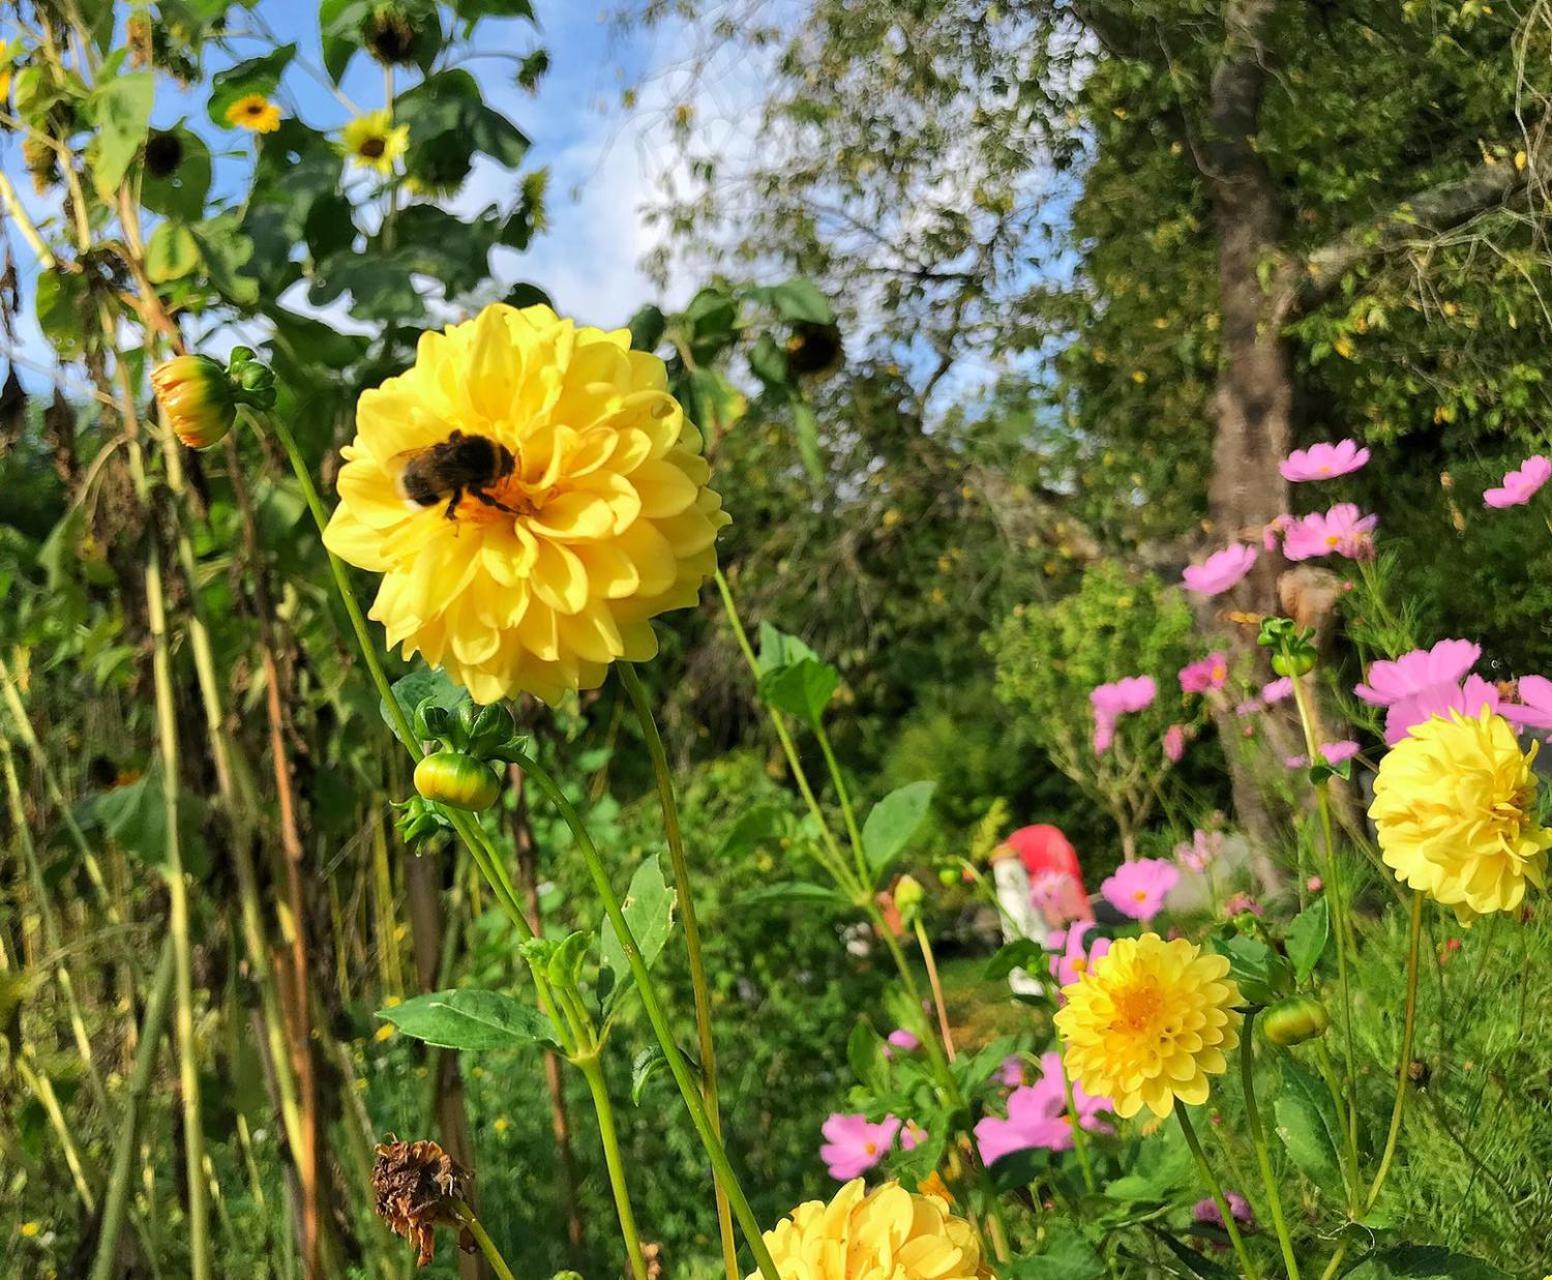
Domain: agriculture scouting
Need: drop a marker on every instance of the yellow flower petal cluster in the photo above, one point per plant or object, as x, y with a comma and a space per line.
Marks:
255, 113
885, 1234
374, 141
600, 519
1149, 1022
1454, 807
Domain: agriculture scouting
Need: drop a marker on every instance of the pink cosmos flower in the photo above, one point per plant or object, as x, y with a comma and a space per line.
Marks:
1073, 958
854, 1145
1520, 486
1112, 701
1174, 743
1138, 888
1011, 1072
1037, 1116
1241, 903
1411, 673
1206, 673
1207, 1211
1219, 571
1058, 897
912, 1136
1277, 690
1323, 461
903, 1040
1468, 698
1273, 533
1201, 851
1338, 751
1342, 529
1533, 710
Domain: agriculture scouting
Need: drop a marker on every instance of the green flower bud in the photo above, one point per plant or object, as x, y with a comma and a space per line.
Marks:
908, 897
1295, 1020
239, 357
492, 727
457, 780
1297, 663
431, 720
196, 398
948, 877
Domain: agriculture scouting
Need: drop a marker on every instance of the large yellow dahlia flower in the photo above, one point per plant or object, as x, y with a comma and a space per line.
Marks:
1149, 1022
590, 516
885, 1234
1454, 808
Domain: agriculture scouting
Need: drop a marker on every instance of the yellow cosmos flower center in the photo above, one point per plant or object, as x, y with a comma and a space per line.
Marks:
871, 1148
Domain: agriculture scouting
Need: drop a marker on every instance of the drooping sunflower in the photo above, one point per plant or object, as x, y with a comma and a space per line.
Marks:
589, 515
1454, 808
885, 1234
374, 141
1149, 1022
255, 112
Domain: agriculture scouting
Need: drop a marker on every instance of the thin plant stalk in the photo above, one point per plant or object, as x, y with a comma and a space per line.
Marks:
592, 1072
152, 1026
1080, 1144
659, 1020
848, 814
700, 989
42, 1088
1404, 1067
939, 1003
1258, 1141
1246, 1262
476, 1229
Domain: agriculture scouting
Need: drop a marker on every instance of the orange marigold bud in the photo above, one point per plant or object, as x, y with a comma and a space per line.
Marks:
196, 399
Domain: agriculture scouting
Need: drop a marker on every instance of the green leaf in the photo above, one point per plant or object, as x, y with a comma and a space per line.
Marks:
469, 1019
256, 75
1424, 1262
1263, 975
180, 193
754, 827
649, 911
865, 1056
1021, 953
473, 10
1162, 1169
778, 649
225, 250
806, 425
646, 1064
892, 822
424, 682
339, 29
789, 892
1306, 938
768, 362
171, 253
802, 690
1198, 1264
1307, 1123
800, 300
646, 328
59, 305
121, 109
1068, 1255
448, 118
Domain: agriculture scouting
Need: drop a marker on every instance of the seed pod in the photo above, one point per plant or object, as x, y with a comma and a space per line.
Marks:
457, 780
1293, 664
196, 399
1295, 1020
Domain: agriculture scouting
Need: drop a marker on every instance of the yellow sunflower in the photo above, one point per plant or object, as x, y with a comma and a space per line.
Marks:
532, 496
1149, 1022
1454, 807
886, 1234
374, 141
255, 113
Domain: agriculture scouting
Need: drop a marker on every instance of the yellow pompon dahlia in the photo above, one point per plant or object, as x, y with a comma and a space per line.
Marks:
1454, 806
533, 497
884, 1234
1149, 1022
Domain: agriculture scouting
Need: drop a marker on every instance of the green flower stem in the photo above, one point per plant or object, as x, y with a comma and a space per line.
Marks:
700, 989
593, 1073
1348, 1154
1247, 1264
715, 1152
1341, 926
475, 1228
838, 779
1403, 1068
116, 1205
1080, 1144
1258, 1140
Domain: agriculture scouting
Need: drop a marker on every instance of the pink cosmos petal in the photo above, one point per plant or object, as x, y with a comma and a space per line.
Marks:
1468, 698
1446, 663
1058, 896
1011, 1072
1277, 690
912, 1136
1520, 485
903, 1040
1249, 707
1206, 673
1037, 1116
854, 1144
1323, 461
1207, 1211
1174, 743
1336, 752
1342, 530
1113, 700
1533, 710
1272, 534
1075, 955
1138, 888
1219, 571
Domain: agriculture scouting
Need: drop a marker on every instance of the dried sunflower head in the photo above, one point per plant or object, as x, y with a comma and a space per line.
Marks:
417, 1187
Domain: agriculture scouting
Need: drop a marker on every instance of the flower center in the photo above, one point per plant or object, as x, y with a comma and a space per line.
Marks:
871, 1148
373, 148
1137, 1007
518, 498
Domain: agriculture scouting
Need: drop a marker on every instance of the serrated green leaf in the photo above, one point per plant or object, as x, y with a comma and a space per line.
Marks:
470, 1019
1306, 938
1307, 1123
649, 911
892, 822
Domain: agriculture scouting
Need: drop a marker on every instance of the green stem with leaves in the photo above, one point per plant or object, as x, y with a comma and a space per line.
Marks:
1247, 1079
1246, 1262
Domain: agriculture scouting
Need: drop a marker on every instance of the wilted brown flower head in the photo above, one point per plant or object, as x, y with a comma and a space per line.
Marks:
417, 1187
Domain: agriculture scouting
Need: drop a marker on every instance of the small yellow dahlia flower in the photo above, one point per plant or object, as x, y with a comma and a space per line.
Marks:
374, 141
885, 1234
532, 496
1149, 1022
196, 399
1454, 808
255, 113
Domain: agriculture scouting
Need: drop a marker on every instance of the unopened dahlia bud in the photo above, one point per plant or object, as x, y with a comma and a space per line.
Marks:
1295, 1020
458, 780
196, 398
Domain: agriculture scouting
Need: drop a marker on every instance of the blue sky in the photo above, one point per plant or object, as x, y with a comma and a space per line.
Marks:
602, 162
